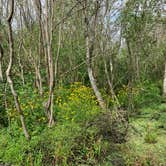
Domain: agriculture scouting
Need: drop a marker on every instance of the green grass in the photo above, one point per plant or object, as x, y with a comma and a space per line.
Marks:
83, 134
146, 143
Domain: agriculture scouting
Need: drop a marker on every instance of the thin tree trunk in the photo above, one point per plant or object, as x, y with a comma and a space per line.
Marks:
40, 47
8, 71
48, 31
58, 51
91, 77
20, 64
164, 82
1, 56
130, 79
89, 52
5, 96
117, 104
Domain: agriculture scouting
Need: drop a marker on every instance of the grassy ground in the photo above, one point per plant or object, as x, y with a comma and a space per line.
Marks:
146, 143
83, 134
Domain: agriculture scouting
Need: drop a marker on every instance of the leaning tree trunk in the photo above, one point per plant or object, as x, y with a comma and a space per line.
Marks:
8, 71
91, 77
89, 53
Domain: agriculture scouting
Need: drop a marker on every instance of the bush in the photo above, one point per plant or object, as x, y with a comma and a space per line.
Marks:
65, 144
83, 134
113, 126
77, 104
158, 113
146, 94
150, 136
69, 142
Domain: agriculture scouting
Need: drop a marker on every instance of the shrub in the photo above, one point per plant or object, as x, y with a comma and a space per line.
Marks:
78, 105
146, 94
150, 136
78, 138
113, 126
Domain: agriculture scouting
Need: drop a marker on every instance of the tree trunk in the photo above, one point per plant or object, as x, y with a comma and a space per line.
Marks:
58, 50
89, 53
164, 82
8, 71
40, 47
130, 77
48, 31
1, 56
113, 95
20, 64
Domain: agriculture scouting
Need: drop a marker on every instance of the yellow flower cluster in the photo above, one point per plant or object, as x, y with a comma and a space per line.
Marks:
59, 100
11, 112
81, 92
78, 100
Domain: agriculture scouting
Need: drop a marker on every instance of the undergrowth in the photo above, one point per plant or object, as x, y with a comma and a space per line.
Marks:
83, 133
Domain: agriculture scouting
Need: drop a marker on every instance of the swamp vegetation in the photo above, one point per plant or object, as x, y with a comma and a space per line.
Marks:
82, 83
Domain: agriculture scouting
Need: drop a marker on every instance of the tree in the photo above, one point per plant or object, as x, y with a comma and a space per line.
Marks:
89, 40
10, 64
48, 35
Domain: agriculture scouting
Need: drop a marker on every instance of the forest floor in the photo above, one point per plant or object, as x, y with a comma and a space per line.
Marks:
146, 142
78, 136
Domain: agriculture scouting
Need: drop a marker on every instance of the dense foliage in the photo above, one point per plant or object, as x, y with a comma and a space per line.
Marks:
82, 83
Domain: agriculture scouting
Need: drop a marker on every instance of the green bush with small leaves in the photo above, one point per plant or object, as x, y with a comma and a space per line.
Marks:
145, 94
